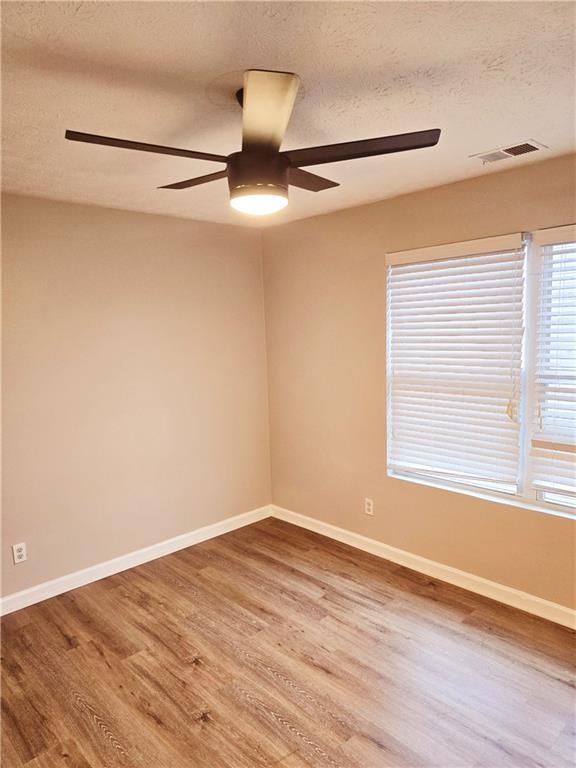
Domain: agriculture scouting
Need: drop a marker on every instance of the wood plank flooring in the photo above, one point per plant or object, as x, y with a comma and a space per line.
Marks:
273, 646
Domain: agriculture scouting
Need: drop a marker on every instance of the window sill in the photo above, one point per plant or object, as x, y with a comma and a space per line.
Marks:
511, 501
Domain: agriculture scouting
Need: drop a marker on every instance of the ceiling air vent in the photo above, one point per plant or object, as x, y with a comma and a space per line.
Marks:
521, 149
504, 153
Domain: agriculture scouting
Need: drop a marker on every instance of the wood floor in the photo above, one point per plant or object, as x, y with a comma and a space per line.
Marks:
273, 646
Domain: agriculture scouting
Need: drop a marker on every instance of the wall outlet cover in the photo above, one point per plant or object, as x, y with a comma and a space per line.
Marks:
19, 552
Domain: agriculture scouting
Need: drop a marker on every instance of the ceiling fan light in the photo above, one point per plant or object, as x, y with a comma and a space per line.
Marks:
259, 203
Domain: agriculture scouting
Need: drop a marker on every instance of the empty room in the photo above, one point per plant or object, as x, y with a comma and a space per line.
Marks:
288, 384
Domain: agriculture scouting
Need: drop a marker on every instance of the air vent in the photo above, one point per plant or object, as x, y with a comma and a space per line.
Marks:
521, 149
505, 153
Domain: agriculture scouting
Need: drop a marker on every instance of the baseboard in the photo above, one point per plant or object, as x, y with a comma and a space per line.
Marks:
47, 589
559, 614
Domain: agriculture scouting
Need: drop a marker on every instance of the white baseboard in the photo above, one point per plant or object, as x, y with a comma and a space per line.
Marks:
70, 581
559, 614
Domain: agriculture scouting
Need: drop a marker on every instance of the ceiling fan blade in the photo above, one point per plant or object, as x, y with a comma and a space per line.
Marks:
268, 100
108, 141
350, 150
310, 181
197, 181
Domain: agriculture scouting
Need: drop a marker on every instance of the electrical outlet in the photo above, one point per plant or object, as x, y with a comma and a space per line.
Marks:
19, 552
369, 507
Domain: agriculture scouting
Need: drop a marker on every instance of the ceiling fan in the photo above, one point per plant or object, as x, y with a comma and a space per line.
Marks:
260, 174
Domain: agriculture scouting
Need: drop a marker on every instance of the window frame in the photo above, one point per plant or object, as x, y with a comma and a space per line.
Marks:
526, 497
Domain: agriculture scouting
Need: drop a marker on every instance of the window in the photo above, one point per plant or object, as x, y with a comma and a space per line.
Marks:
482, 366
553, 429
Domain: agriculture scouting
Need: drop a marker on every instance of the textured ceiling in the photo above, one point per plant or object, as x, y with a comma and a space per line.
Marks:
488, 73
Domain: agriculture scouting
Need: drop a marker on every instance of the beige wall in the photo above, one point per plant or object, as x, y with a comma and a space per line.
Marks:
135, 404
324, 289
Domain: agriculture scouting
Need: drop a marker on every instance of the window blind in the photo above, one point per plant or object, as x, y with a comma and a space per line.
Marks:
552, 468
455, 330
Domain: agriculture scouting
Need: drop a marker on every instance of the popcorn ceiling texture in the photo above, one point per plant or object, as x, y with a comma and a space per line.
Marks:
489, 74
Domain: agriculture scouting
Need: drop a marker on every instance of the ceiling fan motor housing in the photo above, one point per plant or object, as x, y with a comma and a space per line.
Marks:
258, 173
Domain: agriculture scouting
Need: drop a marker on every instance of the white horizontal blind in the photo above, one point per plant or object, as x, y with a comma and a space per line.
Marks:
455, 329
552, 467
